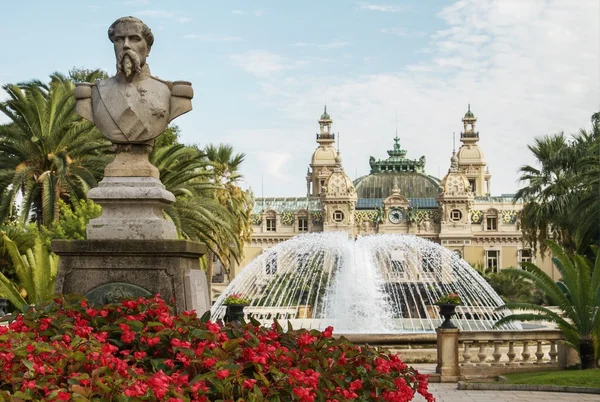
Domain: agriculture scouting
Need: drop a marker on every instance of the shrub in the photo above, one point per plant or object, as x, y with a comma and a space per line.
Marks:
138, 350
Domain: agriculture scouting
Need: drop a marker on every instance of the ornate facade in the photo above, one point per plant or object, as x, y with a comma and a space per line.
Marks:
397, 196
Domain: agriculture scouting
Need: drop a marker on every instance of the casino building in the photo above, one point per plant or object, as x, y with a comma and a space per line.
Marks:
397, 196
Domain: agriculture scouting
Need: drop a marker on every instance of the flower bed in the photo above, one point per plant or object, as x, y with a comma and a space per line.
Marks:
139, 351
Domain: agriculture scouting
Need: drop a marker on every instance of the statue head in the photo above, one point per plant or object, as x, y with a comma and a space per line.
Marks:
132, 41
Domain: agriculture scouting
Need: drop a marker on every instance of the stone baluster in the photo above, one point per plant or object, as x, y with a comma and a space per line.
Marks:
497, 355
539, 353
482, 353
525, 354
553, 352
511, 354
467, 354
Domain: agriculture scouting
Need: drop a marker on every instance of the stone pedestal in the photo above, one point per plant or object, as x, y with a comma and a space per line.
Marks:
447, 354
106, 270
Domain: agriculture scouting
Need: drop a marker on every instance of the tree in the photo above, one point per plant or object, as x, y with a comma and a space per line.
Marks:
73, 220
47, 152
196, 213
80, 74
225, 166
578, 296
565, 185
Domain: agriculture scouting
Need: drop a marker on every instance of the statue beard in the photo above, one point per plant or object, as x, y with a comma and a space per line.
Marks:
128, 63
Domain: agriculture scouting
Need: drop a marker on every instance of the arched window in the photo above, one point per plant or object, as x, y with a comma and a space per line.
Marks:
491, 220
271, 221
302, 217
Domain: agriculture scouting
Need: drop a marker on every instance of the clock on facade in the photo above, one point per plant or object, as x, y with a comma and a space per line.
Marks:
396, 215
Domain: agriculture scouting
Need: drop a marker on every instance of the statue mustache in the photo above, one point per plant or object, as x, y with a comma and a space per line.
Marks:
130, 65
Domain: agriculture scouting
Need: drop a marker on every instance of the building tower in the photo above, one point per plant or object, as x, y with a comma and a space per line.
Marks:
323, 161
339, 200
471, 161
455, 201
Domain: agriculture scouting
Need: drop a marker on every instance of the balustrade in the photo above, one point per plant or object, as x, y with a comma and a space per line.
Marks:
508, 349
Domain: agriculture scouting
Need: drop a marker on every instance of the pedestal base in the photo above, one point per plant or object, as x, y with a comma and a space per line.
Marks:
107, 270
132, 209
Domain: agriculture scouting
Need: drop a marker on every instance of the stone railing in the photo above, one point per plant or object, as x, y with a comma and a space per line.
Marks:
271, 313
464, 355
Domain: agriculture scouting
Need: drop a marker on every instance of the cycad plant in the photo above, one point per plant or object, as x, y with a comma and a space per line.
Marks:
577, 295
35, 273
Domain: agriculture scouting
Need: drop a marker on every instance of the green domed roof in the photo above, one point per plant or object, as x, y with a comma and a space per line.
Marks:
325, 116
410, 184
469, 114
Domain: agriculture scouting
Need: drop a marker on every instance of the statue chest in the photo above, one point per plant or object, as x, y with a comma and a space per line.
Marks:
132, 112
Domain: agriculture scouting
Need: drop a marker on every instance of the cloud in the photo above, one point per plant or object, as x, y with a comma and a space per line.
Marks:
212, 37
259, 13
527, 68
403, 32
238, 12
381, 7
264, 63
334, 44
273, 163
163, 14
155, 13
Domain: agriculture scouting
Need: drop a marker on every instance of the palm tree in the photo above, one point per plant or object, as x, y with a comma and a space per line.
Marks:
565, 182
225, 166
578, 296
47, 152
196, 213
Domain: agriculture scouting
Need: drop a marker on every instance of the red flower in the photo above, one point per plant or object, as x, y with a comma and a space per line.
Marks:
64, 396
328, 332
249, 383
222, 374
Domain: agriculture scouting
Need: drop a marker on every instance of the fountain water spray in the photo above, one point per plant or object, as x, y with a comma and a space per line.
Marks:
377, 284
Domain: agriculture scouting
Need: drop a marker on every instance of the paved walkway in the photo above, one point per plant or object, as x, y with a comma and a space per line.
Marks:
448, 393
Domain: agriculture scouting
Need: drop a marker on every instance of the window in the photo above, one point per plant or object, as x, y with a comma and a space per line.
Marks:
492, 260
525, 255
455, 215
472, 184
492, 223
271, 224
338, 216
303, 224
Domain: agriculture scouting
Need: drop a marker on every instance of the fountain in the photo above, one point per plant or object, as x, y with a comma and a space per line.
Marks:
379, 284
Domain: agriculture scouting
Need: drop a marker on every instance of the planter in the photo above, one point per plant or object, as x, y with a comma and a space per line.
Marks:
3, 305
447, 311
234, 313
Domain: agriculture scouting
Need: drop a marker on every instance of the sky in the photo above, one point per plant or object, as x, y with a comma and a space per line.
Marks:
262, 71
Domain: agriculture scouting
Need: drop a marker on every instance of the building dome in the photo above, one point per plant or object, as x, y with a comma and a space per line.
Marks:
455, 183
325, 115
410, 184
469, 114
324, 156
339, 184
468, 154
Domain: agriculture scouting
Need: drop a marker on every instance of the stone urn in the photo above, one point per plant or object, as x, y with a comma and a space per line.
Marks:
447, 310
234, 313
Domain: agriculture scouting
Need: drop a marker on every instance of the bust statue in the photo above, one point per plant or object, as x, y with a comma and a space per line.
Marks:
133, 107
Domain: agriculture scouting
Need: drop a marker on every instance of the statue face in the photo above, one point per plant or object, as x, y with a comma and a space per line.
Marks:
131, 48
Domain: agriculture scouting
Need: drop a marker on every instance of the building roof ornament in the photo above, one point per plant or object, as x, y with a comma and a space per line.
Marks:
397, 161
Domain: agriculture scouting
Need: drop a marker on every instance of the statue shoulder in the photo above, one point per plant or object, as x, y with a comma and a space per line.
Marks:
83, 90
